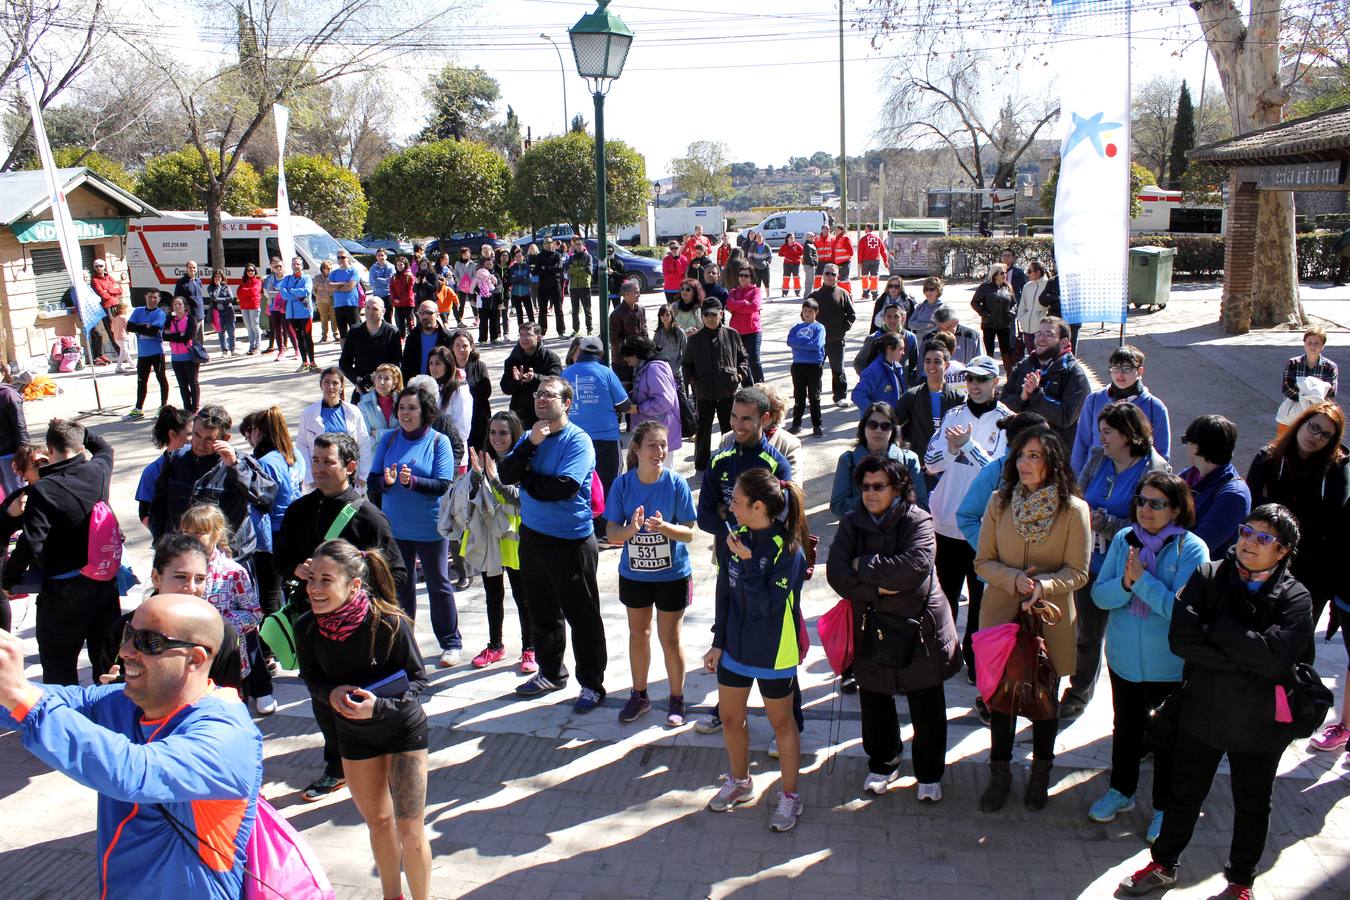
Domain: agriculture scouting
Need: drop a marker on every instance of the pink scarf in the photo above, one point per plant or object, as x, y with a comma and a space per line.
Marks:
339, 624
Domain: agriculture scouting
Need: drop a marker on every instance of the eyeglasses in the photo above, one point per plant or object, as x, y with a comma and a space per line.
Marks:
686, 290
1157, 504
546, 395
1317, 431
980, 379
211, 421
1262, 538
154, 643
744, 275
880, 425
711, 314
872, 487
930, 290
1123, 370
426, 312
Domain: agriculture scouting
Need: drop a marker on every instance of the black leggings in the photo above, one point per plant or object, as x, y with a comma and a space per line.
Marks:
403, 319
346, 320
550, 296
524, 305
278, 334
268, 581
806, 389
1003, 729
144, 366
955, 565
760, 277
1002, 336
304, 338
494, 590
188, 388
489, 323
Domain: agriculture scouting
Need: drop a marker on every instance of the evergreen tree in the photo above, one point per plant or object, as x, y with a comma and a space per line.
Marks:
1183, 139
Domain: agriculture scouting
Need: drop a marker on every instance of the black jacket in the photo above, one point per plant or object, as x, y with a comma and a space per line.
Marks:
1321, 503
995, 312
547, 265
308, 518
1063, 390
13, 425
186, 479
412, 350
56, 523
480, 389
543, 363
715, 364
915, 412
363, 353
897, 554
836, 312
1238, 647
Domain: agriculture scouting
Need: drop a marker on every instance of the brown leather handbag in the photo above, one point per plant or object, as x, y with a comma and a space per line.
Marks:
1030, 685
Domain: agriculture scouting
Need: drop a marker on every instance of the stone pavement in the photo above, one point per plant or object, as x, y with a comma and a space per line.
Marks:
530, 799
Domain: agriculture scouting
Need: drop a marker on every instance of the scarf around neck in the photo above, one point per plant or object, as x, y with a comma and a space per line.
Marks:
1150, 545
1034, 511
339, 624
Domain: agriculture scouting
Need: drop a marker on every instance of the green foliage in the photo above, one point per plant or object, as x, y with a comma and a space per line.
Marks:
822, 160
439, 188
1139, 176
70, 157
703, 171
178, 180
462, 102
555, 182
1183, 139
744, 170
1202, 184
322, 191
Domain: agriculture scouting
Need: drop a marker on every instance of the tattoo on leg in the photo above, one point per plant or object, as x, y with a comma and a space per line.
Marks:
408, 784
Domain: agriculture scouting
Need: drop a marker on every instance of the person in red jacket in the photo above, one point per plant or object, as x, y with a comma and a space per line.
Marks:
842, 245
871, 254
824, 254
791, 251
724, 251
249, 296
673, 266
110, 295
694, 241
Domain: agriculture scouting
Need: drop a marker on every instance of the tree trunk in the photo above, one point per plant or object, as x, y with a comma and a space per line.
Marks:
1247, 58
215, 195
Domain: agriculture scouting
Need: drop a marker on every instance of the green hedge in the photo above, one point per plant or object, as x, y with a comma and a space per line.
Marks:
1198, 255
650, 252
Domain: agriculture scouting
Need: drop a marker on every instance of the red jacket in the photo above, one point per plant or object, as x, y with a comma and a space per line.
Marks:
791, 253
108, 290
401, 289
843, 248
723, 254
250, 293
871, 246
690, 249
824, 249
673, 267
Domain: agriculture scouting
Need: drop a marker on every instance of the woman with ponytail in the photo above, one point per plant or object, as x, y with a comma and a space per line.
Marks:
359, 658
758, 606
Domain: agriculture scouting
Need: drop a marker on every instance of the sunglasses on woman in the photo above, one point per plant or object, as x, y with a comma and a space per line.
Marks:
154, 643
1157, 504
1262, 538
879, 425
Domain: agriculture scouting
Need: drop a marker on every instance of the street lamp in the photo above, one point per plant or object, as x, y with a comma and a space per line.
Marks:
600, 42
562, 70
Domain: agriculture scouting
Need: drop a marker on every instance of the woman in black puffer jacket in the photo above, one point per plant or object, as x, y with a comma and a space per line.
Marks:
882, 561
1240, 625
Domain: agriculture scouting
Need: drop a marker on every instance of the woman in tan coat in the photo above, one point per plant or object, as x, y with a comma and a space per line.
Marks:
1035, 543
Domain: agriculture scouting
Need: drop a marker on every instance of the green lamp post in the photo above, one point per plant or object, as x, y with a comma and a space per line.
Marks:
600, 42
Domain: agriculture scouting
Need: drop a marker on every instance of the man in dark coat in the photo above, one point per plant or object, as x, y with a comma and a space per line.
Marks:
1050, 381
428, 335
837, 315
526, 365
715, 365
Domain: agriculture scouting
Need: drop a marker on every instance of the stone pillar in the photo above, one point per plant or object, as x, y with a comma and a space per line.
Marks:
1239, 256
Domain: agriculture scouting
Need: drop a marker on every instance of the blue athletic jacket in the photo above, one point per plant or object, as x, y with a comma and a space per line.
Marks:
880, 382
203, 763
759, 617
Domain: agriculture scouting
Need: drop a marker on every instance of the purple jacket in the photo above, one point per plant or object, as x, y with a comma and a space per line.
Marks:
655, 398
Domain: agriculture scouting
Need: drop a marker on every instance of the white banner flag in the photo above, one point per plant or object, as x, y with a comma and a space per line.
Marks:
285, 237
88, 305
1092, 197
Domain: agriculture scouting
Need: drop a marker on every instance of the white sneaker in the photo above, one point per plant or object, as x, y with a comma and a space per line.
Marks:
930, 792
876, 783
787, 812
450, 658
844, 404
773, 748
265, 705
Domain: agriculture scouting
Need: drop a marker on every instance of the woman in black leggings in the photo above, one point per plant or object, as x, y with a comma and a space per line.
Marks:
182, 335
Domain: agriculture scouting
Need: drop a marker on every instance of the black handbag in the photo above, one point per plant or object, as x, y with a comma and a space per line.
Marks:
887, 639
1309, 700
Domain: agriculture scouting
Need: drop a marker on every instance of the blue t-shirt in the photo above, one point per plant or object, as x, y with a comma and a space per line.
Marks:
334, 417
596, 391
650, 556
148, 346
428, 344
569, 454
412, 514
344, 298
145, 489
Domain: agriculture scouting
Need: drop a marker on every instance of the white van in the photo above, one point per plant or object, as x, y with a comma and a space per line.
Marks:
800, 222
159, 247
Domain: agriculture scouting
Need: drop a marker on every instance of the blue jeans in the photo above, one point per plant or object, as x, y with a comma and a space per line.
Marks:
226, 332
440, 595
751, 343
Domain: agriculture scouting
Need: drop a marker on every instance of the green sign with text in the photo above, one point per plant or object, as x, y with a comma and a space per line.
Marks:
45, 231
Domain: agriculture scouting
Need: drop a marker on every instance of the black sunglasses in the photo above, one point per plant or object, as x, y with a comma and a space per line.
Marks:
1157, 504
880, 425
872, 487
980, 379
154, 643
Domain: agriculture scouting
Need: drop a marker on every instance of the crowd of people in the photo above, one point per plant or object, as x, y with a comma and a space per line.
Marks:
984, 467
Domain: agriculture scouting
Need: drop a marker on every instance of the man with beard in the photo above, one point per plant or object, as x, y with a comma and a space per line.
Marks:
526, 365
427, 336
1050, 381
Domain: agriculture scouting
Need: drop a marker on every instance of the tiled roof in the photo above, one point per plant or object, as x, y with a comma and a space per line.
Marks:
1324, 136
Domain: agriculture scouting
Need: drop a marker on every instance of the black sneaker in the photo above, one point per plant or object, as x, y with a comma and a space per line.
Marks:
817, 432
1070, 707
322, 788
982, 710
1148, 879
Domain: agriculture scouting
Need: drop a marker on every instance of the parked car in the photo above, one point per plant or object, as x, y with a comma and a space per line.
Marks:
800, 222
356, 248
559, 232
644, 270
474, 240
393, 244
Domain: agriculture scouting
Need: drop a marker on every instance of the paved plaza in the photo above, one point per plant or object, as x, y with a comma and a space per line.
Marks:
528, 799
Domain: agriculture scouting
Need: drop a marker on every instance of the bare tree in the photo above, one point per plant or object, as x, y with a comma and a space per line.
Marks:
282, 53
944, 101
1153, 113
58, 40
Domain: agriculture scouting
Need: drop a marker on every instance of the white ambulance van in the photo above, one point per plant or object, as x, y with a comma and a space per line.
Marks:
159, 247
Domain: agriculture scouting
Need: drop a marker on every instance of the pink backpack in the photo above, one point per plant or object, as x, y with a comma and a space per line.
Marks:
279, 864
105, 544
597, 495
66, 354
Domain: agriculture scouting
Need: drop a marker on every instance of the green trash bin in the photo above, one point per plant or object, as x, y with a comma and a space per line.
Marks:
1151, 276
